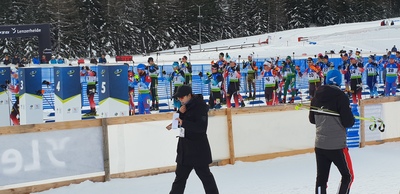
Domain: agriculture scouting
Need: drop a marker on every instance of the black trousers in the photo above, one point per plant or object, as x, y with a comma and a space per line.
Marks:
153, 91
213, 98
342, 161
312, 87
203, 172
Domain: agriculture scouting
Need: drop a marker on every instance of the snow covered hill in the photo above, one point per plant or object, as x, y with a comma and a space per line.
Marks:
368, 37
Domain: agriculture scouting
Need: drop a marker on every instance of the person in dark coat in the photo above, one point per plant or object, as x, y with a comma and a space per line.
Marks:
102, 59
330, 112
16, 60
193, 150
7, 60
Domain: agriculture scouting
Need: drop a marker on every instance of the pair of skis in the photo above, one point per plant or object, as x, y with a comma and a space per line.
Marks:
377, 123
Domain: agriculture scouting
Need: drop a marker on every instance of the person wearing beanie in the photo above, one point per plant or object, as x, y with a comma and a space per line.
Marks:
252, 69
289, 70
345, 65
326, 66
384, 60
331, 135
90, 77
314, 74
320, 60
355, 69
53, 60
215, 79
232, 78
177, 77
359, 57
222, 63
372, 72
193, 148
391, 76
143, 80
186, 67
270, 78
152, 68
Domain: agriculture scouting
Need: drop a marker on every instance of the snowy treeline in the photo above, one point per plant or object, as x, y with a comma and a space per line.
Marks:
81, 28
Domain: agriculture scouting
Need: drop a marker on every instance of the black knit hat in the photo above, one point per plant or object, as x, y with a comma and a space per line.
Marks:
183, 91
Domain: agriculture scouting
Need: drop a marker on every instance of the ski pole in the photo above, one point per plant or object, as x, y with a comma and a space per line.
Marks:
372, 127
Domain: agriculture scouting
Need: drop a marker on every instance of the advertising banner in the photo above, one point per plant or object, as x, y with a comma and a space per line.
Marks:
67, 89
113, 90
31, 100
5, 96
40, 156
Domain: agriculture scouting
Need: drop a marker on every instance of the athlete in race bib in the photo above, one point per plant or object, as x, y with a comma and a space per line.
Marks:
326, 66
142, 81
252, 69
392, 69
177, 77
215, 79
372, 72
355, 69
153, 72
91, 89
232, 76
289, 77
186, 67
314, 74
13, 87
270, 81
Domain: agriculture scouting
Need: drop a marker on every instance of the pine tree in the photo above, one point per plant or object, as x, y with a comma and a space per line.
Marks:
296, 13
90, 12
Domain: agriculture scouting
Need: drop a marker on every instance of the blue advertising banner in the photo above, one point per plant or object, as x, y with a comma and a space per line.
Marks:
66, 82
113, 82
5, 77
30, 81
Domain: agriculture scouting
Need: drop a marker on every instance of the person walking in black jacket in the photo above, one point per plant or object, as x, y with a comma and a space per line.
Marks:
193, 150
330, 112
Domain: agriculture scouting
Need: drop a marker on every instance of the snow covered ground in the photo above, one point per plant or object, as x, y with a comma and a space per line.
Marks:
376, 168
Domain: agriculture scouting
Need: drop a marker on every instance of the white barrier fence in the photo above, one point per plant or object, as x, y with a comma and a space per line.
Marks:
42, 156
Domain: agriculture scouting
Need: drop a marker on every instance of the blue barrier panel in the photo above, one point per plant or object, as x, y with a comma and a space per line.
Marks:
164, 90
353, 137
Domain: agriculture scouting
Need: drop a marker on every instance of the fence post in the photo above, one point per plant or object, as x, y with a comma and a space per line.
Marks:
106, 154
230, 136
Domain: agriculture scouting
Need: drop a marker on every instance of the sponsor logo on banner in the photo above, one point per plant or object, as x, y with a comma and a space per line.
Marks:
58, 73
71, 72
4, 32
2, 72
33, 73
118, 72
25, 31
103, 72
